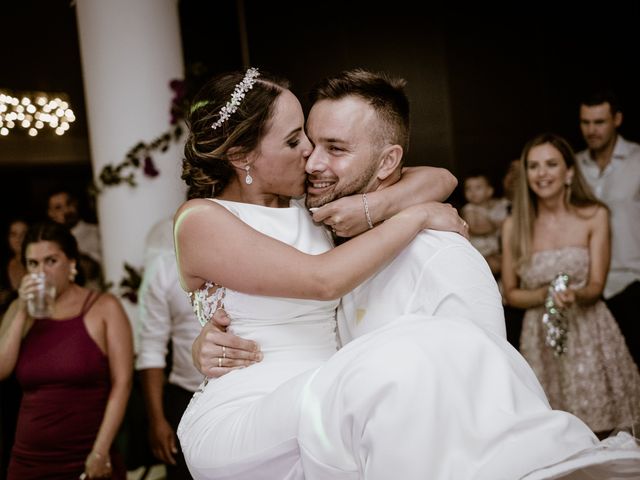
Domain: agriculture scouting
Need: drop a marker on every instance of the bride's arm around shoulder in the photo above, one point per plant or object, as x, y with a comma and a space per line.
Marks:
416, 185
214, 245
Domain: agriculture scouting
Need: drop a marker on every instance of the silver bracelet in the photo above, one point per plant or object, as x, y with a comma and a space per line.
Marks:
366, 210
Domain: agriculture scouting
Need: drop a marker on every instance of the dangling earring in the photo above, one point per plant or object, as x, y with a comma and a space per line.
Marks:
567, 185
72, 273
248, 179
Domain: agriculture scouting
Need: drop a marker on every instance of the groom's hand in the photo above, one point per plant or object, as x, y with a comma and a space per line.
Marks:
216, 352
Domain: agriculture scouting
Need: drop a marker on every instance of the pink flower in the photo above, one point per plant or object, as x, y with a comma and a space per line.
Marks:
150, 169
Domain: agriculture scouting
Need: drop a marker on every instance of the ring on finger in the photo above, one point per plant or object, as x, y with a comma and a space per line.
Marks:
224, 351
219, 362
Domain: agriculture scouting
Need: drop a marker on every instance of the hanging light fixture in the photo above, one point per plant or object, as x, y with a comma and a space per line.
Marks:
35, 112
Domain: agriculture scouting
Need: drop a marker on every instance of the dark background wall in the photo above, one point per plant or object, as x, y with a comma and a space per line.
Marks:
481, 82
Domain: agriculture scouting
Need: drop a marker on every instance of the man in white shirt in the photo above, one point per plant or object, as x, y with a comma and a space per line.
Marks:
62, 207
167, 320
611, 166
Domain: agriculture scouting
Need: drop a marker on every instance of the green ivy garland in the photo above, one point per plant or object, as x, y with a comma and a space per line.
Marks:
130, 284
141, 154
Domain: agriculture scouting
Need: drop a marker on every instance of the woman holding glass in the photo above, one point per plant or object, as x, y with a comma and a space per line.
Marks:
74, 364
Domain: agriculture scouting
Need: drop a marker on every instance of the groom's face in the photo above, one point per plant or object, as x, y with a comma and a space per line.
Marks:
345, 156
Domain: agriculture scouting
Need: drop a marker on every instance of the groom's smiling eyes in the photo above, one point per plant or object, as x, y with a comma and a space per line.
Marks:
334, 148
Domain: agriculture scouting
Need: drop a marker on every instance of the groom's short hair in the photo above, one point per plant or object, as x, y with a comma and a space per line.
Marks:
385, 94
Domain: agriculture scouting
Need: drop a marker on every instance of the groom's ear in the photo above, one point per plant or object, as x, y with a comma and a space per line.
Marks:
390, 161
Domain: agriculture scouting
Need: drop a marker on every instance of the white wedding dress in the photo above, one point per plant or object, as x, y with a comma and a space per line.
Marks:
237, 426
423, 397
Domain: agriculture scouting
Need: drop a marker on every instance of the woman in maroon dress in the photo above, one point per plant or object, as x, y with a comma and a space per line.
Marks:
75, 368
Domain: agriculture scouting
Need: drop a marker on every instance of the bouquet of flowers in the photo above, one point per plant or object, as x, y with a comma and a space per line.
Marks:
554, 318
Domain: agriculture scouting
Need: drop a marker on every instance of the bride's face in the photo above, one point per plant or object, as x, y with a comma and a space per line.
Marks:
280, 159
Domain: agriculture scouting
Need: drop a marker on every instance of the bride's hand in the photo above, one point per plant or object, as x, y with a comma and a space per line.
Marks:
443, 217
345, 216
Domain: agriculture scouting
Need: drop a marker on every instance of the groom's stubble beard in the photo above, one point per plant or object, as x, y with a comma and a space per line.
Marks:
359, 184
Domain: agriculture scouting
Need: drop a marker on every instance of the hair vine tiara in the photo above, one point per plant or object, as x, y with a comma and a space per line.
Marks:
236, 97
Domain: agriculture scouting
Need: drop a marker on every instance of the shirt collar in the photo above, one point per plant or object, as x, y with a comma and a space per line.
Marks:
620, 150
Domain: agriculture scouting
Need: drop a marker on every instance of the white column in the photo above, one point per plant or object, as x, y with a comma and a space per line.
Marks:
130, 52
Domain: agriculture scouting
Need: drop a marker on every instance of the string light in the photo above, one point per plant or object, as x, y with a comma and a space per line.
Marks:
34, 112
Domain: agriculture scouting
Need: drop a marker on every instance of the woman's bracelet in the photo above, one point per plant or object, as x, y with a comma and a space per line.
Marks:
100, 456
366, 210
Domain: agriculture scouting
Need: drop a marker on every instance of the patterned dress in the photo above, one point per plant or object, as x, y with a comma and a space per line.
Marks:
596, 379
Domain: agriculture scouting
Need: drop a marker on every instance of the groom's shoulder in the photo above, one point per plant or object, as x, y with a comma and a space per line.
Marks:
450, 245
429, 244
438, 239
454, 255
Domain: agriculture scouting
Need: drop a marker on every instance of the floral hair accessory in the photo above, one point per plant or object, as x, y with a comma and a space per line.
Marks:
236, 97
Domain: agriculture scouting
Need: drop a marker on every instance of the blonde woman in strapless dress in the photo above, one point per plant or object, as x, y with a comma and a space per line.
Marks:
591, 372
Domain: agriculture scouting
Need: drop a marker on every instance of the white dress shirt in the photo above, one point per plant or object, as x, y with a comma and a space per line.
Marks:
439, 273
88, 237
165, 314
618, 186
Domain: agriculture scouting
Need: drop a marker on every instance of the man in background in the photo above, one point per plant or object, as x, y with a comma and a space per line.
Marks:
62, 207
611, 166
168, 327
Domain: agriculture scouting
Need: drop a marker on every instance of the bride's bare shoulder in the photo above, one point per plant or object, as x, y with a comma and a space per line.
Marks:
195, 204
195, 208
201, 215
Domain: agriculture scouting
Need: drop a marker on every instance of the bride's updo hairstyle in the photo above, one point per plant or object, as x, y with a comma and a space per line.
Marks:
231, 110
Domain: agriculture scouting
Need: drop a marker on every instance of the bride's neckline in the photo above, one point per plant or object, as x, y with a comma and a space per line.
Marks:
292, 203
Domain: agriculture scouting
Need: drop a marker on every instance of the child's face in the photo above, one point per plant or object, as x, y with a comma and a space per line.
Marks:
477, 190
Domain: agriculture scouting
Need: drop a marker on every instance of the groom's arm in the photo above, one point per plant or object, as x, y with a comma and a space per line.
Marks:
208, 354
